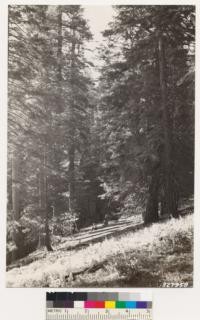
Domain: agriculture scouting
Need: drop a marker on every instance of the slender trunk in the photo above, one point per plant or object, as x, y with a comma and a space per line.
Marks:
59, 49
43, 202
47, 231
15, 187
170, 192
72, 200
59, 59
40, 204
17, 236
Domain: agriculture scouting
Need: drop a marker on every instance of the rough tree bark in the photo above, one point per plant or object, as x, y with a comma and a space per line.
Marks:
169, 185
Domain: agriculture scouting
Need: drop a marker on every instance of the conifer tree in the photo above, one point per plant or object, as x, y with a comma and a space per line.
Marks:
140, 103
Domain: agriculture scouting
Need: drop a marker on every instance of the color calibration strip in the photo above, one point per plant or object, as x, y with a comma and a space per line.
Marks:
97, 300
98, 306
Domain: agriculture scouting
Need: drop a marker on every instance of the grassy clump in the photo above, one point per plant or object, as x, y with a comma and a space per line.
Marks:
165, 255
168, 259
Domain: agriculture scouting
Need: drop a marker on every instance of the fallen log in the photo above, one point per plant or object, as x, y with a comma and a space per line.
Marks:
92, 269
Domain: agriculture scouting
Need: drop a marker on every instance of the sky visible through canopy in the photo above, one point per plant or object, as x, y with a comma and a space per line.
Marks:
98, 18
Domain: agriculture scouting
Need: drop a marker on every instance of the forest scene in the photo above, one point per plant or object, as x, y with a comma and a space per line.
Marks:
100, 168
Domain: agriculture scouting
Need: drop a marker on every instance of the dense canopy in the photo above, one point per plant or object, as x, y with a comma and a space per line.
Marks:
81, 151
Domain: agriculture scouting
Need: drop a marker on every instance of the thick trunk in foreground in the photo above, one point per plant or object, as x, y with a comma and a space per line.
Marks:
170, 192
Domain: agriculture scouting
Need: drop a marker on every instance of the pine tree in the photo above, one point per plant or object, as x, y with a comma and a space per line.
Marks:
76, 102
143, 92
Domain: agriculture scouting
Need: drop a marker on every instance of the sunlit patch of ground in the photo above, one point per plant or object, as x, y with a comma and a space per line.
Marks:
145, 258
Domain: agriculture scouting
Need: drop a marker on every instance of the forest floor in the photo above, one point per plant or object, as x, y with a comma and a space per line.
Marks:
161, 254
84, 238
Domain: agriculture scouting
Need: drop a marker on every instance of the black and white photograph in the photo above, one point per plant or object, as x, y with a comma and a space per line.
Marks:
100, 150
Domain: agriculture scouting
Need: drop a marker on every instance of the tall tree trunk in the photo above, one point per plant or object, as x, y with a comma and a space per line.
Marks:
47, 231
43, 202
40, 188
169, 185
59, 58
17, 236
72, 200
15, 187
59, 51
